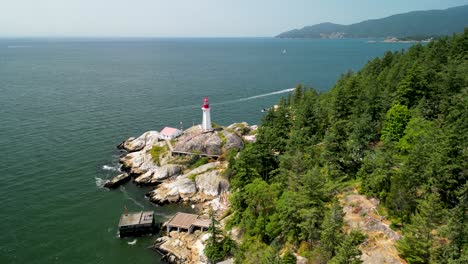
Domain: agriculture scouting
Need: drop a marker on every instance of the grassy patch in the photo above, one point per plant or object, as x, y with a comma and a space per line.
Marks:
197, 161
215, 125
222, 137
192, 177
156, 152
180, 160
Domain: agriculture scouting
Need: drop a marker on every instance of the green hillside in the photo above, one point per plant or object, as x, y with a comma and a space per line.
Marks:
418, 23
396, 130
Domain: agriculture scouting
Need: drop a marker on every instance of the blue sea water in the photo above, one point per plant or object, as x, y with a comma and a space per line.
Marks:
66, 103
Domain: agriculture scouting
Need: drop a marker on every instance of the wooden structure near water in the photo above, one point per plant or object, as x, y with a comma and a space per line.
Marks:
136, 224
187, 222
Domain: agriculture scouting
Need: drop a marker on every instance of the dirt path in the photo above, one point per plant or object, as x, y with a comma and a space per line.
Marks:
361, 213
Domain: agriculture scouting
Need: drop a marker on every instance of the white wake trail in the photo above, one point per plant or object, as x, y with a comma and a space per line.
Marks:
268, 94
237, 100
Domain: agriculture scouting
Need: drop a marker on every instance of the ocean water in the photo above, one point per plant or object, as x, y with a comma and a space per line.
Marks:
66, 103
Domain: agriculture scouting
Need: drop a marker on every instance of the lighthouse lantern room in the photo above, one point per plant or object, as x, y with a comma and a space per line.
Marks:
206, 124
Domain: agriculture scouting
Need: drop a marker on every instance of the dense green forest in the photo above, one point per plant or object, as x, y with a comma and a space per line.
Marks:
417, 23
396, 130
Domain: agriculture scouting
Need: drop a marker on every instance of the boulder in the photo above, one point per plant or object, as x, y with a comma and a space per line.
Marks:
156, 175
145, 178
203, 168
135, 144
210, 143
233, 141
140, 162
208, 183
165, 172
213, 144
240, 128
117, 181
170, 192
198, 185
181, 247
193, 143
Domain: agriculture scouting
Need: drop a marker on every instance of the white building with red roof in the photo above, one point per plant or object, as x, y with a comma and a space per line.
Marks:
169, 133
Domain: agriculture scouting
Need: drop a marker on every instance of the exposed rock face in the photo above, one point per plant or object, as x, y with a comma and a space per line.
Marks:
199, 185
195, 141
138, 162
171, 192
361, 213
203, 168
208, 143
233, 141
135, 144
208, 183
240, 128
158, 174
183, 247
212, 144
117, 181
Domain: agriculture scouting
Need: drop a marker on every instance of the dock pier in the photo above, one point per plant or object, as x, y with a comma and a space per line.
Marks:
136, 224
187, 222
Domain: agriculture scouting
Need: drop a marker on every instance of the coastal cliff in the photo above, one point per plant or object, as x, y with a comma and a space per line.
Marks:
189, 169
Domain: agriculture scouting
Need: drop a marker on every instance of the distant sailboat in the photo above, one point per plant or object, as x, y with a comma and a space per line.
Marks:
284, 51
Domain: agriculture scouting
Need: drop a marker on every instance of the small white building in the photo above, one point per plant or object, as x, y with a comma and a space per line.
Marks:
169, 133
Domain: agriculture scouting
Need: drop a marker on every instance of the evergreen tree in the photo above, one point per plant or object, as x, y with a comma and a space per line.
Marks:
332, 234
415, 246
348, 252
400, 125
288, 258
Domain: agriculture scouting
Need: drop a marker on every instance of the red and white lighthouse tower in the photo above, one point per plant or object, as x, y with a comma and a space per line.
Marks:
206, 124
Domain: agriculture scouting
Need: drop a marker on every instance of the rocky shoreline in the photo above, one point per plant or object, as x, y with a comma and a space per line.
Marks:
190, 178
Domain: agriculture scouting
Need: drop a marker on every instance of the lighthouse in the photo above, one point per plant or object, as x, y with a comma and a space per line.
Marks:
206, 124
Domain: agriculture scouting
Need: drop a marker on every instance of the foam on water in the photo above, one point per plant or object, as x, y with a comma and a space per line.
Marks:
131, 198
100, 182
111, 168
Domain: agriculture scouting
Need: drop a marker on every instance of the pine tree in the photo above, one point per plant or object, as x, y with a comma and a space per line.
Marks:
288, 258
415, 246
214, 248
331, 230
348, 252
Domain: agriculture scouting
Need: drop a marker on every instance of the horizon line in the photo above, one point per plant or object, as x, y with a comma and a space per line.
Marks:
119, 37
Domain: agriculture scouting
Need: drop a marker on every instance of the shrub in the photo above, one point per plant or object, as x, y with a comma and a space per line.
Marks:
222, 137
156, 152
197, 162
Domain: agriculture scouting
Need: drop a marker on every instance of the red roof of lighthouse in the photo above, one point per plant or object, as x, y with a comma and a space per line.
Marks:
206, 105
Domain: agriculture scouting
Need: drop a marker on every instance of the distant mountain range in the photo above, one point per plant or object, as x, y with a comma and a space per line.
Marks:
417, 23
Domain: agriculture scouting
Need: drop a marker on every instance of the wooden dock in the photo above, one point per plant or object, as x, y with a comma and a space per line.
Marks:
187, 222
136, 224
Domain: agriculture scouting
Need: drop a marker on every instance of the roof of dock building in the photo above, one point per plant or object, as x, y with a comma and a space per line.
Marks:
185, 221
140, 218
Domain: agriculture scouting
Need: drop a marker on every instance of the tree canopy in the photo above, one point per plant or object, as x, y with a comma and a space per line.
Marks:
397, 128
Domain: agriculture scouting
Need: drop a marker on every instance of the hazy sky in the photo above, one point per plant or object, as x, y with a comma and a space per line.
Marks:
191, 18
